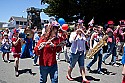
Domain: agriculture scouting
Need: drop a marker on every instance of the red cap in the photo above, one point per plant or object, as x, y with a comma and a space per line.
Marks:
110, 22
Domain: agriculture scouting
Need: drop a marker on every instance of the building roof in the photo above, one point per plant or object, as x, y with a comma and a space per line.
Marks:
18, 19
1, 24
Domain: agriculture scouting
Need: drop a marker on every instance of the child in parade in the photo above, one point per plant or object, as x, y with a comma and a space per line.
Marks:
16, 50
5, 47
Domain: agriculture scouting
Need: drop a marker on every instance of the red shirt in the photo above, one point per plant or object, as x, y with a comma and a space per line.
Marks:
17, 48
48, 53
109, 31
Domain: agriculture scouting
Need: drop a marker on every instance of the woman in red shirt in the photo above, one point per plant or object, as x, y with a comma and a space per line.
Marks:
46, 49
16, 50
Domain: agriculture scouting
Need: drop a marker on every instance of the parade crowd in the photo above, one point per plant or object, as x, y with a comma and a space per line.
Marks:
47, 44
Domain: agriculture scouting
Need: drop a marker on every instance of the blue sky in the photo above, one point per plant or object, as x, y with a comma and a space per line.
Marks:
18, 8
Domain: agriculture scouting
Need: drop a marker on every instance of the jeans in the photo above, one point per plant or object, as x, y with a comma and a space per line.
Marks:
123, 57
111, 50
79, 56
35, 59
98, 54
52, 70
119, 47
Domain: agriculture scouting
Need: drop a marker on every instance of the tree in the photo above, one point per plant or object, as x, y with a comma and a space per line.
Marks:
101, 10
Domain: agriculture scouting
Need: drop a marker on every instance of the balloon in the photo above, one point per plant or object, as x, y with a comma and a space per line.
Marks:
61, 21
65, 27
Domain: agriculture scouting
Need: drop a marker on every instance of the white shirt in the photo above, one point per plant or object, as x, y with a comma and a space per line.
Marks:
78, 44
96, 40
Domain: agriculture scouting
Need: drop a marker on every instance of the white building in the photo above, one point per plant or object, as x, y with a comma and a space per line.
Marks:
14, 22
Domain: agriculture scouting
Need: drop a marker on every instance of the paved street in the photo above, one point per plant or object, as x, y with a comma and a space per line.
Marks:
30, 73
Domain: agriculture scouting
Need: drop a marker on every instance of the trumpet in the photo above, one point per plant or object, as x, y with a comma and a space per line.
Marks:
43, 44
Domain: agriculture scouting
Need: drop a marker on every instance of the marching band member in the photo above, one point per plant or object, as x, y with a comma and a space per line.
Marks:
111, 45
119, 36
77, 53
95, 38
46, 49
123, 62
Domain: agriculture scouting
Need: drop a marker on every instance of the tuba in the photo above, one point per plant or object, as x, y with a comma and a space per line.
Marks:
101, 43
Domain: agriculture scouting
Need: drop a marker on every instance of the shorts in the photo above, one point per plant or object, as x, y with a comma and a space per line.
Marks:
16, 55
79, 56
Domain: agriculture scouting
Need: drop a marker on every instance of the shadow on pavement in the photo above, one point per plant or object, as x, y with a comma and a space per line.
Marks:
26, 71
12, 60
90, 78
104, 71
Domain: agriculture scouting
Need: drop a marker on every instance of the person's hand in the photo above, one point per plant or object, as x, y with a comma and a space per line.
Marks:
91, 48
52, 45
118, 27
42, 44
79, 31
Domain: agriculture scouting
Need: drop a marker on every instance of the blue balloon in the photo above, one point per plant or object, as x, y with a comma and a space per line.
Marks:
61, 21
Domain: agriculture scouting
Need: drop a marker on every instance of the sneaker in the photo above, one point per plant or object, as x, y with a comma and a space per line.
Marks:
100, 72
111, 63
103, 62
35, 64
58, 60
115, 65
8, 61
3, 60
67, 61
88, 68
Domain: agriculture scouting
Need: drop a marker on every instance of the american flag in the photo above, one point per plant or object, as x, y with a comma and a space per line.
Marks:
91, 22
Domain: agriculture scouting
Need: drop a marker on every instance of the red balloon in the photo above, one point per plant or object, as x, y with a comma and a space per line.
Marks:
65, 26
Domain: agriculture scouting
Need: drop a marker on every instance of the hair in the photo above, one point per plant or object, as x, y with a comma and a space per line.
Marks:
48, 32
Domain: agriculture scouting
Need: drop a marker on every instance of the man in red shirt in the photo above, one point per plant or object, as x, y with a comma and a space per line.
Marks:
111, 45
46, 49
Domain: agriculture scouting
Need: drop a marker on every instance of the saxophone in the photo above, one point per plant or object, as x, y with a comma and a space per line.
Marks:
101, 43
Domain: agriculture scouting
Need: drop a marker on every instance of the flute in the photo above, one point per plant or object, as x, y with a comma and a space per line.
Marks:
45, 43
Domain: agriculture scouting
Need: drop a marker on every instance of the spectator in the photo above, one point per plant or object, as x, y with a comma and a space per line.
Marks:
6, 46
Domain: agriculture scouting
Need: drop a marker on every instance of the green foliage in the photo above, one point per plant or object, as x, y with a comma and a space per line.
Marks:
102, 10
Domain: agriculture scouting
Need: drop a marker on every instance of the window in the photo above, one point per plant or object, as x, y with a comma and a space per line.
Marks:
17, 22
25, 23
21, 23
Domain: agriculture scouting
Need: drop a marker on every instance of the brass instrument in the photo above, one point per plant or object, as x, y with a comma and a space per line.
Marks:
93, 51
